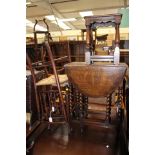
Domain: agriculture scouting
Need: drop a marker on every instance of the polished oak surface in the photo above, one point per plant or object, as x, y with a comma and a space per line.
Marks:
93, 142
96, 80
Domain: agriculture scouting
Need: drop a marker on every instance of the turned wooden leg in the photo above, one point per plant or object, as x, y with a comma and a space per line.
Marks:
108, 109
81, 105
77, 105
70, 100
66, 101
85, 106
119, 103
69, 105
78, 108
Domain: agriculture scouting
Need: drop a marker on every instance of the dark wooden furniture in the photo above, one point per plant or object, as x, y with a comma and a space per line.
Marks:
92, 22
34, 127
91, 79
37, 48
76, 48
95, 80
48, 88
63, 48
47, 34
31, 101
50, 99
84, 31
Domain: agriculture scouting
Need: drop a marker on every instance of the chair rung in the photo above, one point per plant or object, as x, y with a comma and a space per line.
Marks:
61, 58
102, 57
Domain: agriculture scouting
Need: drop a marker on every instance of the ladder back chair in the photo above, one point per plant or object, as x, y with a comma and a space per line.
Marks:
51, 90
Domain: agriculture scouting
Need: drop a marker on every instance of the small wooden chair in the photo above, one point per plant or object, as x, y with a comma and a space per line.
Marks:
93, 22
51, 90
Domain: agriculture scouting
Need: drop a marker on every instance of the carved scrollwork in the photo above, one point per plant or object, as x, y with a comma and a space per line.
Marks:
102, 24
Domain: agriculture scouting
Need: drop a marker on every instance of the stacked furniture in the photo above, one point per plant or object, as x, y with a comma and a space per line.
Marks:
98, 77
66, 92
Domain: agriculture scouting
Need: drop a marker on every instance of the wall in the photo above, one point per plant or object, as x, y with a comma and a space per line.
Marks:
125, 17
